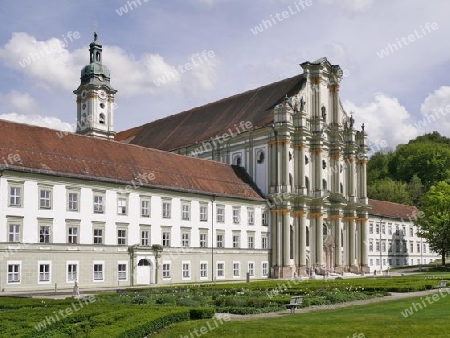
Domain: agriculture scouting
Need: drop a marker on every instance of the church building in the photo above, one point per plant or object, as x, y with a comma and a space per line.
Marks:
303, 151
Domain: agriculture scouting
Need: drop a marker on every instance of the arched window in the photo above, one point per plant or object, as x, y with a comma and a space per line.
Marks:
237, 160
307, 184
341, 188
306, 159
324, 184
324, 164
291, 180
325, 230
101, 118
97, 56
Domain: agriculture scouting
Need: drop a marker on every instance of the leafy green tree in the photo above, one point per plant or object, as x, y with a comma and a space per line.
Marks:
434, 219
416, 191
429, 161
377, 166
389, 190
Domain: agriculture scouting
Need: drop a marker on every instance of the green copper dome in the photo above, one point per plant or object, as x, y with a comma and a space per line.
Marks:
95, 72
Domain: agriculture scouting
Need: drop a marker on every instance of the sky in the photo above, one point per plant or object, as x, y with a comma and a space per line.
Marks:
169, 56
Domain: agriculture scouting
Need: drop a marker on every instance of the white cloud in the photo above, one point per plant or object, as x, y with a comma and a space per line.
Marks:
20, 102
435, 112
50, 64
353, 5
38, 120
385, 119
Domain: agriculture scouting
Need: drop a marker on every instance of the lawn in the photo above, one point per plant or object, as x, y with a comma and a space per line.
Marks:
383, 319
135, 313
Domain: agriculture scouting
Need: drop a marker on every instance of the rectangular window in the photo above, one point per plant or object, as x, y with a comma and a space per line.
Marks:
203, 270
418, 247
236, 241
166, 270
236, 270
265, 218
220, 269
166, 206
121, 237
383, 228
14, 233
13, 273
389, 228
145, 208
377, 229
236, 216
72, 235
404, 230
371, 228
98, 272
370, 245
98, 204
203, 240
220, 241
411, 247
166, 238
121, 206
264, 242
45, 199
220, 214
72, 201
185, 239
44, 234
377, 245
203, 213
121, 271
424, 248
411, 231
390, 245
72, 270
145, 237
186, 270
383, 245
98, 236
251, 269
251, 242
251, 216
378, 261
185, 211
397, 246
44, 272
265, 269
15, 196
371, 261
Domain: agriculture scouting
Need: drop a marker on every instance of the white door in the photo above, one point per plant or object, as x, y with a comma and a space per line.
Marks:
144, 270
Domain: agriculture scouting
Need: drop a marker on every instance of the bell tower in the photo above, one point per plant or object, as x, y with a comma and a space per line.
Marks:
95, 97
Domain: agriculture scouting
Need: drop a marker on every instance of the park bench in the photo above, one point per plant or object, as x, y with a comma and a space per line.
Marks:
442, 285
295, 302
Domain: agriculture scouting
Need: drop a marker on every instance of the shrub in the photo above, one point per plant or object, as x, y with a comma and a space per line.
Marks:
202, 313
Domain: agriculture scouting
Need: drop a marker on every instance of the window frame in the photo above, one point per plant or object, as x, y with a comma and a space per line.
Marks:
19, 186
48, 205
17, 274
100, 272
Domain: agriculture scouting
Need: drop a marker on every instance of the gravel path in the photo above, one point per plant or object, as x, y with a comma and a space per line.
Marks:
315, 308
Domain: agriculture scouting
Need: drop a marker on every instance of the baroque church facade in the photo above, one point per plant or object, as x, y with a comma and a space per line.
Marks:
305, 154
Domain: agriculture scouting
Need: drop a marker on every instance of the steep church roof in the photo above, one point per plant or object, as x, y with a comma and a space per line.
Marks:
46, 151
201, 123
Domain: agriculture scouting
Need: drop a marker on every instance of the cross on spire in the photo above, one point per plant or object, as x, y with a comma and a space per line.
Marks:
95, 30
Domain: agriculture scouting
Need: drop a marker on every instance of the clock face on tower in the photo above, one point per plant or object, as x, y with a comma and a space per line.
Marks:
102, 94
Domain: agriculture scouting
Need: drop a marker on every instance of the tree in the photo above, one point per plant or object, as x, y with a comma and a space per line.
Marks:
434, 219
416, 191
429, 161
389, 190
377, 166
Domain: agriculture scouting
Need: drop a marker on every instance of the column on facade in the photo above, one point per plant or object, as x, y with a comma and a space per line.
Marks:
351, 242
300, 239
335, 220
364, 252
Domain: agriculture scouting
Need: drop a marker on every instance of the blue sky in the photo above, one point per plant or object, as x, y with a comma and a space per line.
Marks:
399, 93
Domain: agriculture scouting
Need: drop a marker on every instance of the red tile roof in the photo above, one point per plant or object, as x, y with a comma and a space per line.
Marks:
202, 123
392, 210
53, 152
